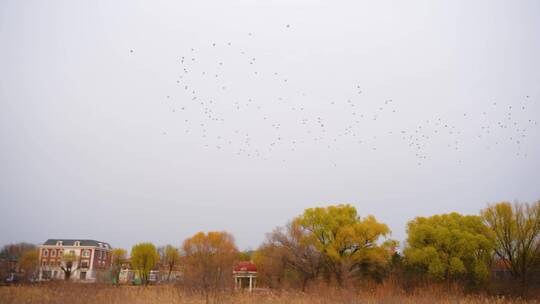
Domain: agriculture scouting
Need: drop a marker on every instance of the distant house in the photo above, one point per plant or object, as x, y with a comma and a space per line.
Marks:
91, 259
11, 270
128, 275
501, 269
9, 267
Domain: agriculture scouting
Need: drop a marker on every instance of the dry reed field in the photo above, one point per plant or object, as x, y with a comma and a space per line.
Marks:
90, 294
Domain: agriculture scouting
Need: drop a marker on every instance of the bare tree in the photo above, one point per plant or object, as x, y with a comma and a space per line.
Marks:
517, 236
119, 257
287, 246
170, 258
69, 264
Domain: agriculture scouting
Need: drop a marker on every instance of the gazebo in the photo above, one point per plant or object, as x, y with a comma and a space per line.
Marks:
245, 275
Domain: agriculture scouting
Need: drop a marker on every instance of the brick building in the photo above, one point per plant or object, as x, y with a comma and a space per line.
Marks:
90, 259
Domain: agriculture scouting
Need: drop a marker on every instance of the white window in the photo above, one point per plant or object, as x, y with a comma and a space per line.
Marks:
45, 252
77, 243
86, 253
59, 243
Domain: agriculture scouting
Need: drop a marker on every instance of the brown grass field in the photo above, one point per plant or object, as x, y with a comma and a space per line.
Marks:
87, 293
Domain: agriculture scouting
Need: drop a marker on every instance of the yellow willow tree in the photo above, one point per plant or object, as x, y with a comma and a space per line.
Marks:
208, 261
144, 257
449, 247
350, 246
29, 262
517, 236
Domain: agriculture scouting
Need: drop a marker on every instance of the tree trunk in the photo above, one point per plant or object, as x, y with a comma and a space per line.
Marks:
339, 277
207, 296
304, 283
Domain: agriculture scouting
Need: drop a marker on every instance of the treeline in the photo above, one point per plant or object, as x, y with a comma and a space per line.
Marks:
497, 249
337, 247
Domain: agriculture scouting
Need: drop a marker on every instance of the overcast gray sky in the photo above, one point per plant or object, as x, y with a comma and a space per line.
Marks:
130, 121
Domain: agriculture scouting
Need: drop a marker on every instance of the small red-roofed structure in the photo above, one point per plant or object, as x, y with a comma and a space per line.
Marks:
245, 275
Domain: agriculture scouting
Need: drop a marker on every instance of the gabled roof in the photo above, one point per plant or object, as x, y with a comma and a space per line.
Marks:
70, 242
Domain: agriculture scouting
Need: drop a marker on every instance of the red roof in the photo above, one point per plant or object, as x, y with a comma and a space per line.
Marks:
500, 265
245, 266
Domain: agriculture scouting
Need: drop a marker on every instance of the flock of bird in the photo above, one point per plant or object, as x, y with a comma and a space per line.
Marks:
236, 104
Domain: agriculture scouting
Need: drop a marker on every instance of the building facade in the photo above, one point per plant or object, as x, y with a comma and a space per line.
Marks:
88, 258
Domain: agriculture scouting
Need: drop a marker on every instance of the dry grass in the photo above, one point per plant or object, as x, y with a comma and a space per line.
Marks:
87, 293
